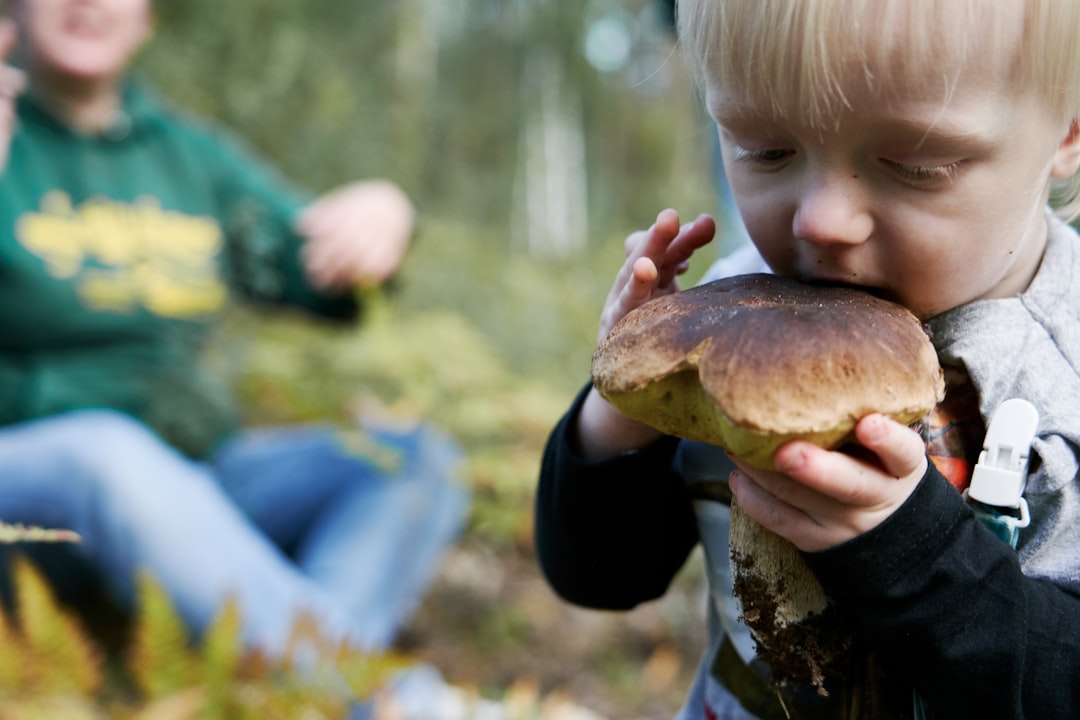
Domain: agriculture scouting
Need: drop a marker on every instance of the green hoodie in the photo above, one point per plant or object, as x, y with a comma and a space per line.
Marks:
119, 251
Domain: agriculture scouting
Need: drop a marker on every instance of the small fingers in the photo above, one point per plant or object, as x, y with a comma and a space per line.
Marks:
776, 515
654, 258
690, 238
898, 448
654, 242
666, 223
810, 520
775, 483
818, 498
633, 288
846, 479
864, 484
643, 273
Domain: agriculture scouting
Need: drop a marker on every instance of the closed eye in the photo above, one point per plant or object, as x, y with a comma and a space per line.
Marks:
769, 157
925, 175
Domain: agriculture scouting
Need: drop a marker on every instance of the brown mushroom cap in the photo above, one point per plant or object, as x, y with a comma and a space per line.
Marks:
752, 361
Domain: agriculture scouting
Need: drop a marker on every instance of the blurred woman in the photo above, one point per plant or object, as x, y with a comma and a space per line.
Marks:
125, 228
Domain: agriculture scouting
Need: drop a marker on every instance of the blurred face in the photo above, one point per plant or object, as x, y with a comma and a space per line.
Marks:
81, 40
935, 199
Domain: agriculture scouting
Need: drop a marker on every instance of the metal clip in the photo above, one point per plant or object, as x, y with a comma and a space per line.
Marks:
1001, 473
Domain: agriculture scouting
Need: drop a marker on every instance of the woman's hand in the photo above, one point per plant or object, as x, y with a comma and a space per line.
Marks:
12, 82
356, 235
818, 499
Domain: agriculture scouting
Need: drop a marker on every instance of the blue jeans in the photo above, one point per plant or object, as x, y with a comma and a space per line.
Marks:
285, 521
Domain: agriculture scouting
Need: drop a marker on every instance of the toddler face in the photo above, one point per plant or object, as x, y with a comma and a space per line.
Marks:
931, 191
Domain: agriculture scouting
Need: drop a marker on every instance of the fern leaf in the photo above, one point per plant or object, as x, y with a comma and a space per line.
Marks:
69, 662
160, 658
222, 652
366, 673
12, 658
50, 708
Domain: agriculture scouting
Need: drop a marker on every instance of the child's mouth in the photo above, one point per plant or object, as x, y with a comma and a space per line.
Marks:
849, 281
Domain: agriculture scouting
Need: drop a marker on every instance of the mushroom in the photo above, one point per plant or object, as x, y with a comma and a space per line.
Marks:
748, 363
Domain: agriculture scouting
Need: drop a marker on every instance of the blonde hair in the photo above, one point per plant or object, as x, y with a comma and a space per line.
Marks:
798, 56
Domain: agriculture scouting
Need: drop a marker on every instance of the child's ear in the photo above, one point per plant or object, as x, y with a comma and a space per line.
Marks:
1067, 157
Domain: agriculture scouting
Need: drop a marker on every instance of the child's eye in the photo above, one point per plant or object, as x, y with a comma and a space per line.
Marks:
925, 174
771, 156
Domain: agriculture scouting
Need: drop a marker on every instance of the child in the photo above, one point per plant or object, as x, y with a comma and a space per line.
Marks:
908, 146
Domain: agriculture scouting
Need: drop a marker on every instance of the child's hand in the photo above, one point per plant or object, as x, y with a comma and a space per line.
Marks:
654, 258
819, 499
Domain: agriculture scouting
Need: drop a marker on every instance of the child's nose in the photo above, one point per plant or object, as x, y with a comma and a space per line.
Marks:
832, 210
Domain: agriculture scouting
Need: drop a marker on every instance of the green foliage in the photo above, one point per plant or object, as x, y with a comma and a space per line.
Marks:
55, 656
159, 658
222, 681
51, 668
439, 96
221, 657
432, 364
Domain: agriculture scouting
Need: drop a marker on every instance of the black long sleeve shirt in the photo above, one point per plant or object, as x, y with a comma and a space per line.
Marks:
940, 599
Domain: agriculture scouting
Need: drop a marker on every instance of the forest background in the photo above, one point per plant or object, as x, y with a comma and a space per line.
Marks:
534, 136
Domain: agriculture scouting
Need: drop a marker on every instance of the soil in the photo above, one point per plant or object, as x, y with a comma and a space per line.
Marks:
491, 621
